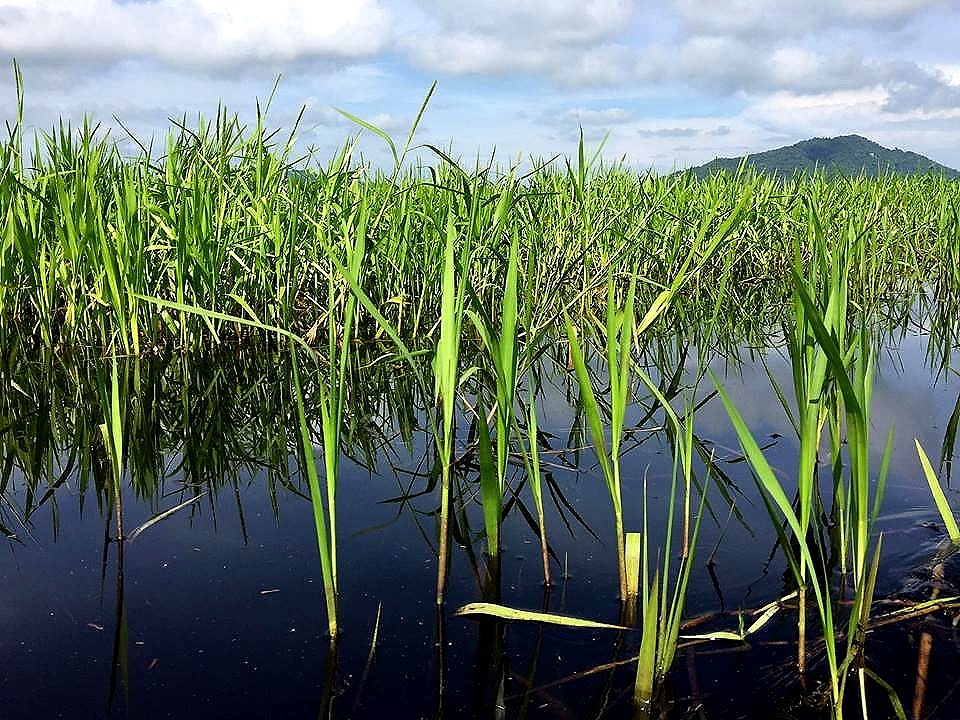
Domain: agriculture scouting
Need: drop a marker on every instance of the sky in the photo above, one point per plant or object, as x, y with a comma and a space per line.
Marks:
669, 84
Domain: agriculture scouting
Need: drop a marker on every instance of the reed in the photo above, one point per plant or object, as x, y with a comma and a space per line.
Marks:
665, 596
446, 373
833, 380
500, 337
619, 339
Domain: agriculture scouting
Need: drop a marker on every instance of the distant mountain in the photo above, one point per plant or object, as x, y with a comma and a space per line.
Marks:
850, 155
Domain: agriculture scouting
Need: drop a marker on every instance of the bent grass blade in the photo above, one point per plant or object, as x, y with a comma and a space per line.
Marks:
164, 515
502, 612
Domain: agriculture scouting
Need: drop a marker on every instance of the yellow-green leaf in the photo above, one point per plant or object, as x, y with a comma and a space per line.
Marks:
502, 612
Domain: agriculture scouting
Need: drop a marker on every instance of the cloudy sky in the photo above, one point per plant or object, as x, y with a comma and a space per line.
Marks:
673, 82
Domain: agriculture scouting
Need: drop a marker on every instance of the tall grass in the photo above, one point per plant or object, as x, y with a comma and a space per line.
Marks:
620, 325
446, 373
222, 212
833, 376
665, 596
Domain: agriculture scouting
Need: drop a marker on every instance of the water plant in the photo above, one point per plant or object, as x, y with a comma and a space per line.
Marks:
501, 344
833, 380
663, 606
531, 461
221, 211
620, 326
446, 373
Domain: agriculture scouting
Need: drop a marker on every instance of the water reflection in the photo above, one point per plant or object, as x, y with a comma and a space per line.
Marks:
220, 587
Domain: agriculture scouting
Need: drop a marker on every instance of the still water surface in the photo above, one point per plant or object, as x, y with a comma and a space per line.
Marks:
218, 610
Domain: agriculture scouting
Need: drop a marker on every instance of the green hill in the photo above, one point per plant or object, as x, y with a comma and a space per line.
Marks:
850, 155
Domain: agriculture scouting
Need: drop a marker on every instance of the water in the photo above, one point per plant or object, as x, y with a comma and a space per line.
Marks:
218, 609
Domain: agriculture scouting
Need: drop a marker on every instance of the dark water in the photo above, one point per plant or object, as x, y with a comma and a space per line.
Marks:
218, 609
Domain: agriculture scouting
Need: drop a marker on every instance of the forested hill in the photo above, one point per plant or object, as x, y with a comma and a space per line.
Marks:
850, 155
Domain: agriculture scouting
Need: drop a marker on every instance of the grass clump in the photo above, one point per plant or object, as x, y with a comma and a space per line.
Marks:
227, 217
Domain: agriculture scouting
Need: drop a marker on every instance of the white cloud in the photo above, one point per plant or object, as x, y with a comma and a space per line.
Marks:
606, 116
807, 110
569, 41
728, 65
668, 132
950, 73
192, 32
674, 82
721, 18
783, 18
885, 10
608, 65
790, 65
464, 53
536, 22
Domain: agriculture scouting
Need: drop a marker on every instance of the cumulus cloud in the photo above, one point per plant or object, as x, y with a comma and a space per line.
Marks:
765, 18
884, 11
918, 89
572, 42
721, 78
192, 32
539, 21
792, 117
730, 65
950, 73
740, 47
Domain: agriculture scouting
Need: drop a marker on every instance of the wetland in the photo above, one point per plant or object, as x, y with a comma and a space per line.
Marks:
288, 437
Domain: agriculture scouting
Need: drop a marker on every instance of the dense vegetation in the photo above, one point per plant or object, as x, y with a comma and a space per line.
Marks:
849, 155
469, 279
102, 251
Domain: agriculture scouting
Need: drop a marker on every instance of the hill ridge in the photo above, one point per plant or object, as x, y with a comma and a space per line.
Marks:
850, 155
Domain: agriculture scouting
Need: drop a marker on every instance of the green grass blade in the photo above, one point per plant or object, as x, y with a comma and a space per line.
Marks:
316, 500
491, 496
943, 506
647, 660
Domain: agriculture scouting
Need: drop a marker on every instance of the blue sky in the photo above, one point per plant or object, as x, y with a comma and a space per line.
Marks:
674, 83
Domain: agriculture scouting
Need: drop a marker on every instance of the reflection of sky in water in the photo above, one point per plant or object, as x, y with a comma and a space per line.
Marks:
237, 628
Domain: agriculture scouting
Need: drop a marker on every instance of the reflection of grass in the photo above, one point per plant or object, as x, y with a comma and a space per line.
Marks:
227, 413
